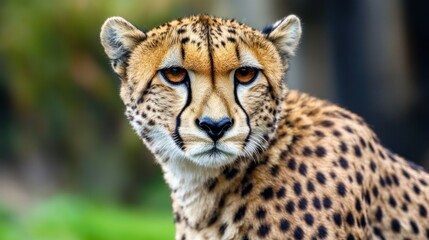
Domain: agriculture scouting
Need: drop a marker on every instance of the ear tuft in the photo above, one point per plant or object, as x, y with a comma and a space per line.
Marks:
119, 38
285, 34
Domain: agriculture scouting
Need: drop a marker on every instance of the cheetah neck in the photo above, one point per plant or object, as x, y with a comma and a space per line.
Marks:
197, 193
188, 184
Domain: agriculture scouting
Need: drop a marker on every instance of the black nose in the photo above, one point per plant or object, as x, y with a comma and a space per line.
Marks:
215, 129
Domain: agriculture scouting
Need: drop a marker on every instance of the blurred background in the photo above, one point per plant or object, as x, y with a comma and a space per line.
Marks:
71, 166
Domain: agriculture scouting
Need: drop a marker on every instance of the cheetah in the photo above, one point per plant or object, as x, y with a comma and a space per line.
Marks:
244, 156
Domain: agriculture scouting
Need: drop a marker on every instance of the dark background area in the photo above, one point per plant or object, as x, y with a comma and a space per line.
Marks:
71, 166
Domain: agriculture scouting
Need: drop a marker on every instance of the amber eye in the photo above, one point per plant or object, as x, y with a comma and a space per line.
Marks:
245, 74
174, 74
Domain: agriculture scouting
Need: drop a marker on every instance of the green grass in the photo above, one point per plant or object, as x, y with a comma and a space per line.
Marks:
68, 218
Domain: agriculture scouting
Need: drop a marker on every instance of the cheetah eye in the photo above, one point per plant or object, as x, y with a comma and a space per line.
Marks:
174, 74
246, 75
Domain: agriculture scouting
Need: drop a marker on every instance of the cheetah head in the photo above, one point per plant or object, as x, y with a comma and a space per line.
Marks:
203, 90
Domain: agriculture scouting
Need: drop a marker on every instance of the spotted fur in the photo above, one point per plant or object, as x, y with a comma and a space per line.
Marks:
290, 166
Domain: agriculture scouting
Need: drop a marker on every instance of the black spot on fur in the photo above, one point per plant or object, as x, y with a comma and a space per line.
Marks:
302, 169
350, 219
316, 203
298, 234
275, 170
230, 39
181, 30
290, 207
309, 219
358, 153
379, 214
267, 193
422, 211
302, 203
322, 232
396, 226
321, 178
320, 151
327, 203
263, 230
337, 219
327, 123
292, 164
246, 190
281, 192
310, 186
297, 188
240, 213
230, 173
261, 213
222, 229
284, 225
414, 227
341, 189
307, 151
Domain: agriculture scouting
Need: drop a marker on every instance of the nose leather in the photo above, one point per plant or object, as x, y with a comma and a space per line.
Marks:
215, 129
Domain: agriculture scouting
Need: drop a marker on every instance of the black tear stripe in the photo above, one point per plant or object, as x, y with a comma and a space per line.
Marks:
176, 135
247, 116
239, 104
237, 52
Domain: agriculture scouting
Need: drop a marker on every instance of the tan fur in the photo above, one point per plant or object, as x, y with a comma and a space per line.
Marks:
290, 167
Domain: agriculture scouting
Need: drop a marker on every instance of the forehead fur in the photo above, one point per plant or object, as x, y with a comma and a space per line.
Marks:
209, 46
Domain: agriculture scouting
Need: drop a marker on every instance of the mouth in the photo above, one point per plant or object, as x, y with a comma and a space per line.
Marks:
213, 155
214, 151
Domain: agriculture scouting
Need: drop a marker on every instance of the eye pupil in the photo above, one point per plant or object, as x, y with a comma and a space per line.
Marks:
175, 71
244, 71
246, 74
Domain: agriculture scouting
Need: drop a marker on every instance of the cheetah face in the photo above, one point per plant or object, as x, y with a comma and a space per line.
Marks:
202, 89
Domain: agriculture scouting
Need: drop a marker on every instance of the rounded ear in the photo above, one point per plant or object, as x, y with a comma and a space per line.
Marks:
119, 38
285, 34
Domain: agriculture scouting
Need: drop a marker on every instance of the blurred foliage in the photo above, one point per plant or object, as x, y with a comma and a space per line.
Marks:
70, 218
62, 98
63, 130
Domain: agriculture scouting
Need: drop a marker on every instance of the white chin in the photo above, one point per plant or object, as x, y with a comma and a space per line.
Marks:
210, 157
